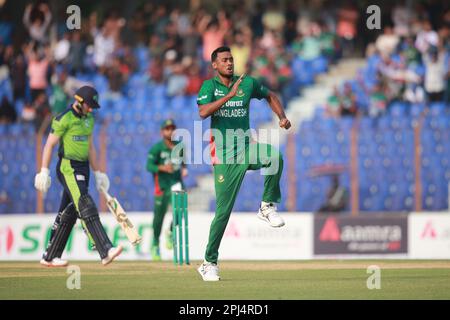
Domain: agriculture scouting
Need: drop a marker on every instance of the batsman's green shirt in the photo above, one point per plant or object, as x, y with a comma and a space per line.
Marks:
74, 131
231, 123
161, 154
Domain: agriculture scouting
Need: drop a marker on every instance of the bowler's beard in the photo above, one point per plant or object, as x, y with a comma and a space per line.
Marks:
229, 76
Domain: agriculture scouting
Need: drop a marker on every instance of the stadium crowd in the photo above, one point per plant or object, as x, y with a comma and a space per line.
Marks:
45, 67
408, 62
409, 56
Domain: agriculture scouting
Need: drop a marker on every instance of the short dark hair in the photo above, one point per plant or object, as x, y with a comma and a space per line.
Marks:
217, 51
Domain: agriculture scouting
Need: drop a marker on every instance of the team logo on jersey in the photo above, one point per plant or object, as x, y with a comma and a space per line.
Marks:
86, 123
240, 93
221, 178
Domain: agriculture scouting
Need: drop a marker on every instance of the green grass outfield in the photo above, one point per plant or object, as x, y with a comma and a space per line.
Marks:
316, 279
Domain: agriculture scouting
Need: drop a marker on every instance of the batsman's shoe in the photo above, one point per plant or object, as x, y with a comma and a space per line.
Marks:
156, 255
269, 214
169, 240
56, 262
209, 271
113, 253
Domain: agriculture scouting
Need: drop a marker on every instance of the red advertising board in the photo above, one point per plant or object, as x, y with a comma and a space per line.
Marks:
374, 234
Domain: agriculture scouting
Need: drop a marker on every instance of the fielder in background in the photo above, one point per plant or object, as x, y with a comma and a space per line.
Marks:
168, 168
226, 99
72, 129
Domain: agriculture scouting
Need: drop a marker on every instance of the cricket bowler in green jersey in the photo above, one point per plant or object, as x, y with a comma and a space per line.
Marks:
168, 169
226, 98
72, 129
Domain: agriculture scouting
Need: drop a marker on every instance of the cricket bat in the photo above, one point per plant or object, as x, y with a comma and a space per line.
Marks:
122, 218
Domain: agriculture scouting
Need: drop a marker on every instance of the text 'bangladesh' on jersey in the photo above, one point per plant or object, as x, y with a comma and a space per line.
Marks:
74, 132
233, 116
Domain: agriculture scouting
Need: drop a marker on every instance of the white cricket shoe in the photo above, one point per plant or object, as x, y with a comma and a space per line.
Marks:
269, 214
209, 271
56, 262
112, 254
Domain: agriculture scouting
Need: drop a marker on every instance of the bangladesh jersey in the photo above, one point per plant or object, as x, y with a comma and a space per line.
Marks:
231, 123
74, 131
161, 154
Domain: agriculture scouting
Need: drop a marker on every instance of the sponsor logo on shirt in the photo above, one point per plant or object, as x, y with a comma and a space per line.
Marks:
234, 103
202, 97
79, 138
218, 92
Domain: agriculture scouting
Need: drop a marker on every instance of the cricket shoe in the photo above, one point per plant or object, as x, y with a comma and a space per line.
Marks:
156, 255
56, 262
269, 214
112, 254
209, 271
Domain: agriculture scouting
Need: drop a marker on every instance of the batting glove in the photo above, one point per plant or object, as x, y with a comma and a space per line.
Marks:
101, 181
42, 180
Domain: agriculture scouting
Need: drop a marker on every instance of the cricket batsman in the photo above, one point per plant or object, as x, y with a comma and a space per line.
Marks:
72, 129
168, 169
226, 98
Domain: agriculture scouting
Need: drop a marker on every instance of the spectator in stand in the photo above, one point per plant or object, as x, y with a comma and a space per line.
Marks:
213, 31
37, 21
105, 40
59, 99
346, 27
256, 23
436, 72
402, 18
137, 28
42, 109
333, 106
329, 45
6, 28
273, 18
18, 74
426, 38
241, 52
156, 47
387, 43
28, 113
191, 42
308, 47
62, 48
195, 80
117, 74
177, 81
348, 101
38, 65
291, 15
377, 101
156, 70
7, 112
75, 59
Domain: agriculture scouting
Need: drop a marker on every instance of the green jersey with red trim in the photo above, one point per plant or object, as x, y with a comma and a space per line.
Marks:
230, 125
161, 154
